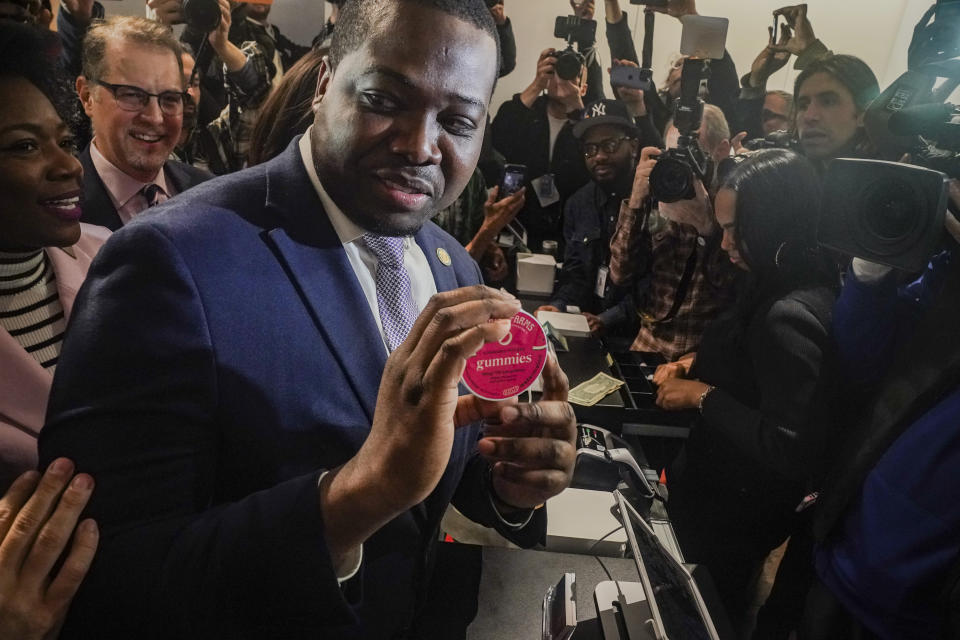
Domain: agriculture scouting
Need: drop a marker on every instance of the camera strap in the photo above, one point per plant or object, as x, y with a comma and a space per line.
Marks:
680, 294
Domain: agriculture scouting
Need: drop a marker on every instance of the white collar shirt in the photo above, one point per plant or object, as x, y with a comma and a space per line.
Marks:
363, 261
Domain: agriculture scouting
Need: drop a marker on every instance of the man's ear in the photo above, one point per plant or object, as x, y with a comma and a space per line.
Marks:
323, 81
722, 150
583, 89
85, 93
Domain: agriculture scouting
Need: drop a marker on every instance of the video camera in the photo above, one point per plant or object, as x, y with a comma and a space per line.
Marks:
574, 30
893, 213
672, 178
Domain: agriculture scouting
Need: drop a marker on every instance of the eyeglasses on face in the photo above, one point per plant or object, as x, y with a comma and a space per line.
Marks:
130, 98
608, 146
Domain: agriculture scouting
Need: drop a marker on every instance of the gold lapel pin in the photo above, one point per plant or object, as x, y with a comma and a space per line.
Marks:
444, 257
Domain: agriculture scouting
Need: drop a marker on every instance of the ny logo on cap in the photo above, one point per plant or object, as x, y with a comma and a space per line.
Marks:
599, 109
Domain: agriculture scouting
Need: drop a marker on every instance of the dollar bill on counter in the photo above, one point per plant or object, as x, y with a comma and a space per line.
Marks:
589, 393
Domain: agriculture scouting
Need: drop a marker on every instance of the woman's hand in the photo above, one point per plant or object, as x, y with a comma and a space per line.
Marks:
38, 523
664, 372
676, 394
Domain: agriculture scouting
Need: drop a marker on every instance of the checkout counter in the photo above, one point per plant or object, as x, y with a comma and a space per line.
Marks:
633, 564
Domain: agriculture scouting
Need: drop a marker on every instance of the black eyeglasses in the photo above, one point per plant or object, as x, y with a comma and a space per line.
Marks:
131, 98
608, 146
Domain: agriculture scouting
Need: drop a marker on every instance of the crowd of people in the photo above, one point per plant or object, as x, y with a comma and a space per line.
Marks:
244, 404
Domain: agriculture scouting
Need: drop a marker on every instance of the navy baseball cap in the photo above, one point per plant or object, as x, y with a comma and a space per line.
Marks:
605, 111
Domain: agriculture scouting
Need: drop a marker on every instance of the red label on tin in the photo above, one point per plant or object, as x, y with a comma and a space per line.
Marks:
507, 368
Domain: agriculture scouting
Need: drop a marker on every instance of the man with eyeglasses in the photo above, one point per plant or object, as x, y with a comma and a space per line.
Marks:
132, 90
609, 139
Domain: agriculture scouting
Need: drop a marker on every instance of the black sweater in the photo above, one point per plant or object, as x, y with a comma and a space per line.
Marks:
767, 423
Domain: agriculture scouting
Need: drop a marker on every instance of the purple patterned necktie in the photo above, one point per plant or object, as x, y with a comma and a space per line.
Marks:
153, 194
394, 294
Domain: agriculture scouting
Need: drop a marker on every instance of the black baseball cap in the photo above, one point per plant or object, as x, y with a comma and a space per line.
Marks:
605, 111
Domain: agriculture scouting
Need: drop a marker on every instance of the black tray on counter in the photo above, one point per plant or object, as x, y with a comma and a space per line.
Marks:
638, 415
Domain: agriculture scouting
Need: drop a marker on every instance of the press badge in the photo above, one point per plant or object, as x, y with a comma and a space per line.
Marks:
600, 287
546, 190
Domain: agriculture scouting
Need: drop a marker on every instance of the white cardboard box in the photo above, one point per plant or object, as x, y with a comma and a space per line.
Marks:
536, 273
569, 324
577, 518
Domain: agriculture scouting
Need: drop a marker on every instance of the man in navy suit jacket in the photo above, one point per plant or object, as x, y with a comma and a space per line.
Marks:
264, 468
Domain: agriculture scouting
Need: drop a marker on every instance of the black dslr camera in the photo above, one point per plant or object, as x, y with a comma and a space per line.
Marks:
893, 213
201, 15
672, 178
775, 140
573, 30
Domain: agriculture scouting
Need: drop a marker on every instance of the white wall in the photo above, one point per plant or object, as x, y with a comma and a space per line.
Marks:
299, 20
876, 30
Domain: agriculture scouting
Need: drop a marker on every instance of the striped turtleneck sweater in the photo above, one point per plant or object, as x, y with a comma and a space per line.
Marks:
30, 308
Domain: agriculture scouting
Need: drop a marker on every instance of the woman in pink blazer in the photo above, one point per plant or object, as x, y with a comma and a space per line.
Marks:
44, 257
24, 382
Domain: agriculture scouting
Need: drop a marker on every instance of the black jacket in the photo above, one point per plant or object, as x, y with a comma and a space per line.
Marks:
589, 220
508, 48
98, 207
522, 135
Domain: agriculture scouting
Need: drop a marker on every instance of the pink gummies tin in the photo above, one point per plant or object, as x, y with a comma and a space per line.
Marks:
507, 368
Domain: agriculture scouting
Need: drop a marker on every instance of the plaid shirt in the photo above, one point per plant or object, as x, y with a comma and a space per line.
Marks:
226, 140
651, 254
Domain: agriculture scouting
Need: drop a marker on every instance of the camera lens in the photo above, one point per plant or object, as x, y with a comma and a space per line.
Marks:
569, 64
671, 180
890, 211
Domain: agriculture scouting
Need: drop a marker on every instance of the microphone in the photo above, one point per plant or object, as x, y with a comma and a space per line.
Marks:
923, 119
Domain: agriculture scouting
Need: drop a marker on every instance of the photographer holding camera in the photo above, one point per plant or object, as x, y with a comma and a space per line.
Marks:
670, 258
255, 56
535, 129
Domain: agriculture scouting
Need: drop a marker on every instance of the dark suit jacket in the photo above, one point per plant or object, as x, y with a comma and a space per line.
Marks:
98, 207
221, 355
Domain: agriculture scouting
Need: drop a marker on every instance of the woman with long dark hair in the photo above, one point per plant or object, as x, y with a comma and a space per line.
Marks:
286, 113
760, 379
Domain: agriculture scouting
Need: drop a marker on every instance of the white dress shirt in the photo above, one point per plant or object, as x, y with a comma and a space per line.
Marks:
363, 261
364, 264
